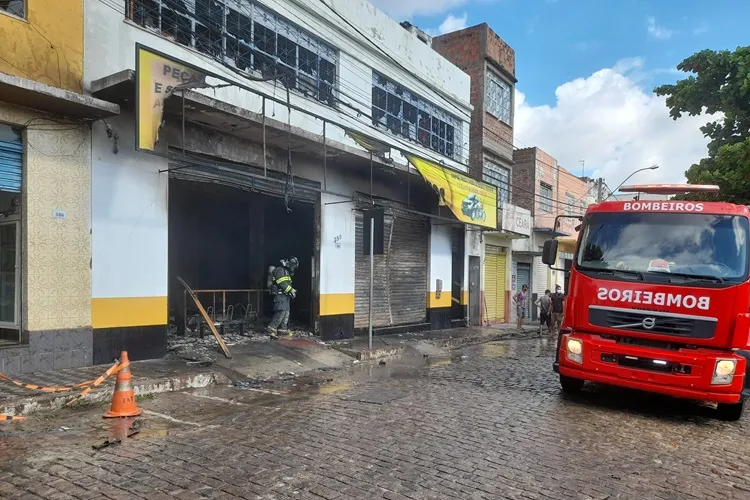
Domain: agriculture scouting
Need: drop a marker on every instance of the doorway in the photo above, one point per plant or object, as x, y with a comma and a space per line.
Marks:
475, 295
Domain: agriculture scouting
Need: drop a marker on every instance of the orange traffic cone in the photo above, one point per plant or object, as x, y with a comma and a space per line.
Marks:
123, 400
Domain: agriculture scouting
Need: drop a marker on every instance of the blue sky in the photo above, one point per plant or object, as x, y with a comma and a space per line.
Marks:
559, 40
587, 69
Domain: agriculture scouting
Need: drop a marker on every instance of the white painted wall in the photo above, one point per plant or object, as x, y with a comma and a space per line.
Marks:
440, 257
129, 216
110, 47
337, 245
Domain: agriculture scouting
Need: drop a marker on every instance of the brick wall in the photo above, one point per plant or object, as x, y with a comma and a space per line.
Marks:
501, 52
523, 177
572, 190
468, 49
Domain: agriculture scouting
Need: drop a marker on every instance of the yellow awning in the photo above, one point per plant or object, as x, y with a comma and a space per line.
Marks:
470, 201
371, 145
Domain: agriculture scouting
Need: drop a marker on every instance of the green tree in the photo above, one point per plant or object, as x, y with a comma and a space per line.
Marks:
719, 86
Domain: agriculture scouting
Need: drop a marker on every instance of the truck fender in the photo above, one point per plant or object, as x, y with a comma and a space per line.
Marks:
746, 388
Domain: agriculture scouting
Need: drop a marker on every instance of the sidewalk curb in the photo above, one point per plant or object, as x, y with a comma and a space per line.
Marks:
49, 402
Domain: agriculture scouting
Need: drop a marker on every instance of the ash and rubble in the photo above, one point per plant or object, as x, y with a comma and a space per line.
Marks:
204, 349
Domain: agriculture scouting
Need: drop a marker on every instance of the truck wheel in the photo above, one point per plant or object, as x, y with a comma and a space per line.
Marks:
571, 385
730, 412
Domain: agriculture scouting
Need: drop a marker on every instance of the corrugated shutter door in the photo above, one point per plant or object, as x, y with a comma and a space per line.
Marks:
215, 171
11, 166
490, 282
400, 279
540, 277
501, 277
524, 278
381, 310
407, 270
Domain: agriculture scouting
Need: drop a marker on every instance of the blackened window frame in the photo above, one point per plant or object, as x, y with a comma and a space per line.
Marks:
401, 112
309, 66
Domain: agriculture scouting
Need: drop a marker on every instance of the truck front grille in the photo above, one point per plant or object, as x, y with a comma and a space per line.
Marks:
659, 323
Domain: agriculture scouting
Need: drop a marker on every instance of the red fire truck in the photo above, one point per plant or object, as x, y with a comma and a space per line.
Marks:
659, 299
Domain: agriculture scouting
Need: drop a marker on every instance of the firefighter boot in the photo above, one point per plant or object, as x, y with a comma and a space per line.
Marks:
273, 333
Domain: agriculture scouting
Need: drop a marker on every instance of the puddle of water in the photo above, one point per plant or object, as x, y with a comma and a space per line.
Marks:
495, 350
439, 362
147, 433
334, 388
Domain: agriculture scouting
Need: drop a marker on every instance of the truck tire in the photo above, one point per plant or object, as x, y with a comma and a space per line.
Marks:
730, 412
571, 385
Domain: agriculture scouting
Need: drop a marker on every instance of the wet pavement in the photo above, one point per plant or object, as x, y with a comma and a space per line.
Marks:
488, 421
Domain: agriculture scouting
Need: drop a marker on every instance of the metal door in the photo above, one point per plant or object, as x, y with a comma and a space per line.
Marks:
400, 278
524, 278
475, 301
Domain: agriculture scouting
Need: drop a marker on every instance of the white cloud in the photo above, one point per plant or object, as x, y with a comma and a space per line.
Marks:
405, 9
615, 125
450, 24
656, 31
703, 28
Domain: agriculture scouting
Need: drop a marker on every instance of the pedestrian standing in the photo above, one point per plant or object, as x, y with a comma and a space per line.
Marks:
545, 314
519, 299
558, 309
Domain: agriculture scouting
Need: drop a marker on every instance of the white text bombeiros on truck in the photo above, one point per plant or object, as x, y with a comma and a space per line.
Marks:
654, 298
665, 206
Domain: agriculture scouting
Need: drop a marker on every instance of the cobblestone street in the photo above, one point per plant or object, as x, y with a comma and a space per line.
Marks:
488, 423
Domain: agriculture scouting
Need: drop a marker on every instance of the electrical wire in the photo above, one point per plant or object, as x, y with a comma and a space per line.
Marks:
360, 112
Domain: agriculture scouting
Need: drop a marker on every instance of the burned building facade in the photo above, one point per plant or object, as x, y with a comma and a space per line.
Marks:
279, 124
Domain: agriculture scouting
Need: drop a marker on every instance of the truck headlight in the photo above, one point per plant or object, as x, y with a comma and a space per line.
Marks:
724, 371
574, 348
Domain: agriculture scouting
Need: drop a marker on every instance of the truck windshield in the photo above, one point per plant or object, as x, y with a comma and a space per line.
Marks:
691, 245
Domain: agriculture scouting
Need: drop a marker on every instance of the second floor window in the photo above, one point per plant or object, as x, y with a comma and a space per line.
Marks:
247, 37
500, 178
571, 206
498, 98
545, 197
404, 113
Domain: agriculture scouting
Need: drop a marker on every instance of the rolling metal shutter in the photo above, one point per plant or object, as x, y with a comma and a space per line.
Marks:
490, 284
524, 278
201, 169
400, 277
494, 282
11, 165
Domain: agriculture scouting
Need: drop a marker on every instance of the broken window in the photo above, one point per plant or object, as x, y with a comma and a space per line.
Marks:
499, 177
245, 36
499, 98
14, 7
403, 113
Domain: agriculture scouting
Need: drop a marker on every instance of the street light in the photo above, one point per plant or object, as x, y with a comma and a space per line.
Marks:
652, 167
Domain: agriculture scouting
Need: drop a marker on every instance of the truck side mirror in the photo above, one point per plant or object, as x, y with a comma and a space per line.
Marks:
549, 254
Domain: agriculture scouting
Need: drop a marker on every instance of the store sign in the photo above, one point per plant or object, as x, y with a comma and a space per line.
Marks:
516, 219
470, 201
158, 77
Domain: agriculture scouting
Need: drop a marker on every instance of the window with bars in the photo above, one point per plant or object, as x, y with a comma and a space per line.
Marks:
499, 98
545, 195
570, 204
244, 35
500, 178
404, 113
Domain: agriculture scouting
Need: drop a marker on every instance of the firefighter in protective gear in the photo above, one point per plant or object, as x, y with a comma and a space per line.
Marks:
283, 292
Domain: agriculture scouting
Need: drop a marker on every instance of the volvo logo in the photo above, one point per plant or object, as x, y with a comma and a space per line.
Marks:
648, 323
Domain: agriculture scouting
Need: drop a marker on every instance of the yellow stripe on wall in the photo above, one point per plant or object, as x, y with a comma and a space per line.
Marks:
434, 303
464, 297
129, 311
333, 304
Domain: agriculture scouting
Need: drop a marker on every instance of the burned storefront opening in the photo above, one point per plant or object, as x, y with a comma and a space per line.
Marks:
227, 224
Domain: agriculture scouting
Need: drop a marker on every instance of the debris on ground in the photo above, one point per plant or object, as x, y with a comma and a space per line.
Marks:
202, 350
106, 444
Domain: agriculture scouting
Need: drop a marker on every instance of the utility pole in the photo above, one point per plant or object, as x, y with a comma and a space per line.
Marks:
599, 190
